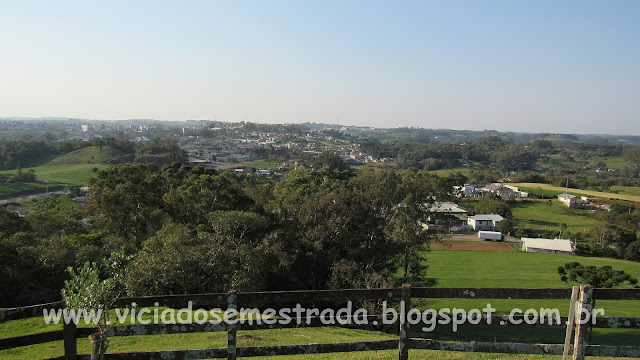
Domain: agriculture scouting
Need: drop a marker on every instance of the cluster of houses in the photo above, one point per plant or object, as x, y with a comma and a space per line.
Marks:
498, 189
450, 214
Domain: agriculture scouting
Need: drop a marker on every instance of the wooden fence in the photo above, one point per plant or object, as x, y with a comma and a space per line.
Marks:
583, 297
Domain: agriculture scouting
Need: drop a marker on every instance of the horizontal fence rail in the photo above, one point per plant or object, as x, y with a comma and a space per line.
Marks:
328, 298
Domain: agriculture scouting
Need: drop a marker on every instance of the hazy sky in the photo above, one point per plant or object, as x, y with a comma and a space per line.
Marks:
551, 66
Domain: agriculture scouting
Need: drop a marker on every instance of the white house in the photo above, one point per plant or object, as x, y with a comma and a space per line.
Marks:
556, 246
471, 191
569, 200
484, 222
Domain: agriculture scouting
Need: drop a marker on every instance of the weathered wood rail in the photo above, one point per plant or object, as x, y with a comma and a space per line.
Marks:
335, 299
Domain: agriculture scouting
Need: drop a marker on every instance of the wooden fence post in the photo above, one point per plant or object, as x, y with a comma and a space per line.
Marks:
571, 321
232, 328
405, 330
582, 326
69, 333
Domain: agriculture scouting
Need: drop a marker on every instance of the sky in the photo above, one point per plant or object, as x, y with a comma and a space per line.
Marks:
525, 66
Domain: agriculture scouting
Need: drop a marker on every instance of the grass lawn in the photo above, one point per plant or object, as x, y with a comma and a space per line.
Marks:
461, 268
74, 174
591, 193
519, 270
549, 215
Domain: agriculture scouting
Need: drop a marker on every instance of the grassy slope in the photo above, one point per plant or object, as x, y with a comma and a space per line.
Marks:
599, 194
88, 155
74, 168
549, 216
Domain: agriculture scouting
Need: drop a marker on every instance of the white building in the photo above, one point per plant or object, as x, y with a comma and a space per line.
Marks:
569, 200
556, 246
484, 222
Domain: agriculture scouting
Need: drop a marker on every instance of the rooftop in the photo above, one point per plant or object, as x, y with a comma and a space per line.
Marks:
490, 217
549, 244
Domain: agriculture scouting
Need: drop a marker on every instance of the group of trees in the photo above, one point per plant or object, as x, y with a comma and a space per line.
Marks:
494, 151
619, 236
27, 153
600, 277
491, 157
191, 229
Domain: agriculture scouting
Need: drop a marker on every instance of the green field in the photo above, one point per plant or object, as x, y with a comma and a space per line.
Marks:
75, 174
462, 268
613, 162
72, 169
88, 155
538, 215
599, 194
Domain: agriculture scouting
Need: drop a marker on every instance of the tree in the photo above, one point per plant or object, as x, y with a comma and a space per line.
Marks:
128, 199
563, 227
491, 205
331, 160
411, 241
179, 260
506, 226
331, 230
199, 195
600, 277
86, 292
242, 233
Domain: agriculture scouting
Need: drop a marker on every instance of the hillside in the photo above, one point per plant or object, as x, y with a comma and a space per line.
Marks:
559, 189
88, 155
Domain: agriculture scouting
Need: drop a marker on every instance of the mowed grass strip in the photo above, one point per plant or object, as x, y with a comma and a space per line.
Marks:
204, 340
605, 195
258, 338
